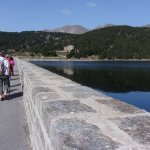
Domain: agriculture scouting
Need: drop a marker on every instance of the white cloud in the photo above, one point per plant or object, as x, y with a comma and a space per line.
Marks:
91, 4
67, 12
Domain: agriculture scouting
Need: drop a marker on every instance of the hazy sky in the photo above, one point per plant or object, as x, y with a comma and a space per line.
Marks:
22, 15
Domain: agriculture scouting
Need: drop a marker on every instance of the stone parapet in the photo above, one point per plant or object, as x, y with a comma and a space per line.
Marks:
64, 115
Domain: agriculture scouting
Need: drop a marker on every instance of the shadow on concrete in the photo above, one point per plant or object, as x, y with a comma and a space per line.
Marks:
15, 85
15, 79
15, 75
15, 95
12, 90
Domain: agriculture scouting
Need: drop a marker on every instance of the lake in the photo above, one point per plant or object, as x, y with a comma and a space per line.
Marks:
128, 81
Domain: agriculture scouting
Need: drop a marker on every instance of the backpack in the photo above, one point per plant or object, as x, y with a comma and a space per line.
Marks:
2, 71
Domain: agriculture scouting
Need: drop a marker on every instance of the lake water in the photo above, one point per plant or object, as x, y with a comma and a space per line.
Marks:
127, 81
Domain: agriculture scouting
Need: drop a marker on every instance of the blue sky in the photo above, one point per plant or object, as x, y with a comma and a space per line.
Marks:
27, 15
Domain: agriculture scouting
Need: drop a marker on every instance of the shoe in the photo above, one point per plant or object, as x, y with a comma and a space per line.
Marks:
5, 95
1, 98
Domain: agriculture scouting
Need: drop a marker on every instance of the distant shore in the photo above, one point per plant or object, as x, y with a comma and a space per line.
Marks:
82, 59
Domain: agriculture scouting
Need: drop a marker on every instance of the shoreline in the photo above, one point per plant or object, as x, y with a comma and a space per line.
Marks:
72, 59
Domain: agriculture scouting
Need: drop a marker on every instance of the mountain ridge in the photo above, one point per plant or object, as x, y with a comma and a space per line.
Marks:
74, 29
78, 29
115, 42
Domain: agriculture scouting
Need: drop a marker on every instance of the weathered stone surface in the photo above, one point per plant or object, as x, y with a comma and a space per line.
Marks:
39, 89
87, 94
40, 98
31, 75
80, 91
56, 78
33, 83
74, 134
120, 106
47, 96
48, 74
82, 95
68, 82
137, 127
54, 108
33, 78
75, 89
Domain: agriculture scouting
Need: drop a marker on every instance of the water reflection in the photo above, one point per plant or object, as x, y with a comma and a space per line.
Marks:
108, 77
126, 81
68, 68
68, 71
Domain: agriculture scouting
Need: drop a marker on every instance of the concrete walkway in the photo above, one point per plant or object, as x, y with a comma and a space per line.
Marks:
14, 134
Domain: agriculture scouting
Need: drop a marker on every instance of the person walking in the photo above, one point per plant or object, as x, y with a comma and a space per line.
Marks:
2, 75
7, 77
12, 63
9, 72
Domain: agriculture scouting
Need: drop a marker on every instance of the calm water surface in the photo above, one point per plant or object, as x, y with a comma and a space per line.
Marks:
124, 80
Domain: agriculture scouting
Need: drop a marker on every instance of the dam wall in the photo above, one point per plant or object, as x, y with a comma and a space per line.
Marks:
64, 115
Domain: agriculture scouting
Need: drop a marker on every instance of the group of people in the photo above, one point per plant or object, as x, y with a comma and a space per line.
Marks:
6, 71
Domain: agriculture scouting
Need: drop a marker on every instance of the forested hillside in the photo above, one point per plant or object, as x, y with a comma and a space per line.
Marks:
36, 42
114, 42
123, 42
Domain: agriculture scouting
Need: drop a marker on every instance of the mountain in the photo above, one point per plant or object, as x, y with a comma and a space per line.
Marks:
147, 26
104, 26
74, 29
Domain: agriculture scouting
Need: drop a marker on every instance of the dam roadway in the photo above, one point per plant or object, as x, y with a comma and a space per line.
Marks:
14, 134
64, 115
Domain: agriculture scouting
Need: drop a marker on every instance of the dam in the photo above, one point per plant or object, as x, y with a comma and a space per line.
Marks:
64, 115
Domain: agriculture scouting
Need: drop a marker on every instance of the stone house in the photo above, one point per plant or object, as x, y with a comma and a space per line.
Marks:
68, 48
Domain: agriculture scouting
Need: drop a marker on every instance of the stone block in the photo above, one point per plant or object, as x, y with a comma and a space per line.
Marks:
52, 109
74, 134
137, 127
59, 107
